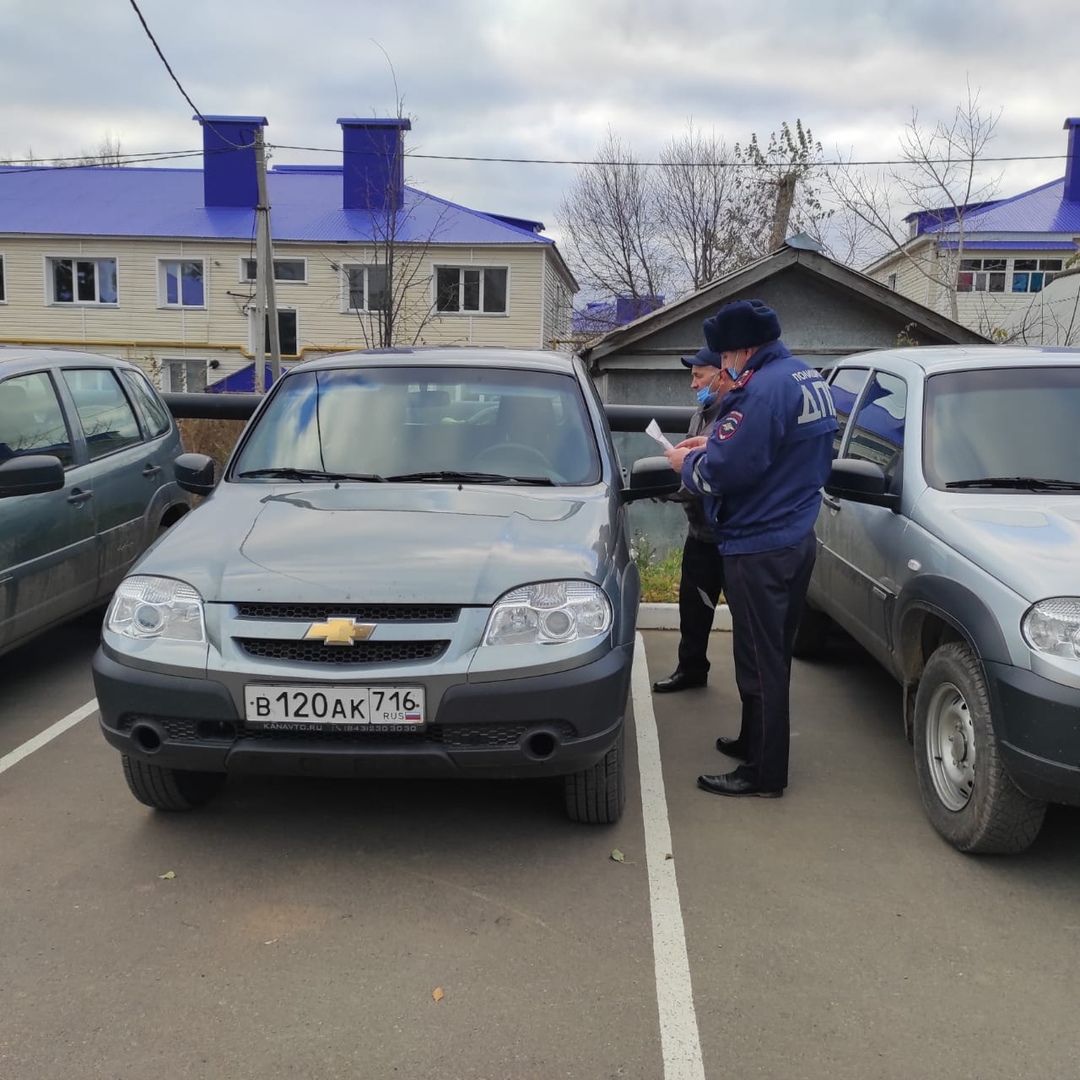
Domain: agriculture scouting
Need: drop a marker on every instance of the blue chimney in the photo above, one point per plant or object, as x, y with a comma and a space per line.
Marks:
1072, 166
374, 163
229, 160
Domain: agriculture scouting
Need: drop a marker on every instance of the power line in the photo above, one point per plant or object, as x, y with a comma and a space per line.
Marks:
179, 86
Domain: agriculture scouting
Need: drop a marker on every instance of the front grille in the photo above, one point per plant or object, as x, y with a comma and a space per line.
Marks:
492, 734
360, 612
182, 729
361, 652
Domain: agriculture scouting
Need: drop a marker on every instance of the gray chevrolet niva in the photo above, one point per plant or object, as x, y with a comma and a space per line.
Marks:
416, 563
949, 547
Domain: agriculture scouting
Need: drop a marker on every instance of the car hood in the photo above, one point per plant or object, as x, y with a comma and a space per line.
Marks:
432, 544
1028, 542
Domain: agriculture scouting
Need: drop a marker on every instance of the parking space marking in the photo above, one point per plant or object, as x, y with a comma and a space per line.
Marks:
679, 1039
47, 736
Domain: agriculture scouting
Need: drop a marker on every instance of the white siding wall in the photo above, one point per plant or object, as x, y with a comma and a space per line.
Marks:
558, 307
139, 328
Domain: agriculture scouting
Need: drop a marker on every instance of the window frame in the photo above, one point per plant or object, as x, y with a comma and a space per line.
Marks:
1044, 273
245, 259
897, 479
50, 281
461, 268
281, 310
183, 360
346, 288
163, 302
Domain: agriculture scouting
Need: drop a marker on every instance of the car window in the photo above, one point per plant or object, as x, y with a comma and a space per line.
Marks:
877, 432
393, 421
1002, 422
107, 419
31, 420
845, 386
155, 414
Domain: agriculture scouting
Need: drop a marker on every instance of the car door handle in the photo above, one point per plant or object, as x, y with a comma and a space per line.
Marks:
77, 497
151, 470
831, 502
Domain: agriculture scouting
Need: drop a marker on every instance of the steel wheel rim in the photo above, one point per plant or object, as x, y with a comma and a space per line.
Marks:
950, 746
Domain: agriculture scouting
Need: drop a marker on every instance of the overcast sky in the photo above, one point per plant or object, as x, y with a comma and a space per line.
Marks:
535, 78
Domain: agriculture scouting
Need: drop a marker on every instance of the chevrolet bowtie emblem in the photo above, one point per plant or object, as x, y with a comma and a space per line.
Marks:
339, 631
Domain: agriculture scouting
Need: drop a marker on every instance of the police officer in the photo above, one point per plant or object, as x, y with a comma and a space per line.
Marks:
761, 469
702, 576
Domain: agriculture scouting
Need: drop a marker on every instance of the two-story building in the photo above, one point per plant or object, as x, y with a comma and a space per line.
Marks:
158, 265
996, 257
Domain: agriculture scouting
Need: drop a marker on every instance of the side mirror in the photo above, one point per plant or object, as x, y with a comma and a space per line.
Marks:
31, 475
862, 482
650, 478
195, 473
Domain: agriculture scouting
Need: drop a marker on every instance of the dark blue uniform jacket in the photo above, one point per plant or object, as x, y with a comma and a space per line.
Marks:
768, 454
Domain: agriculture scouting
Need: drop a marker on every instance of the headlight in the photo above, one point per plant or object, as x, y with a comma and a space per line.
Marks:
549, 613
1053, 627
155, 607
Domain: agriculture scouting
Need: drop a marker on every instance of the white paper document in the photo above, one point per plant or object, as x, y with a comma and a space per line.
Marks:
654, 432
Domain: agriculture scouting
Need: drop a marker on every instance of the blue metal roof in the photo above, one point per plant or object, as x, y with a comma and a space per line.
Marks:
1042, 210
305, 206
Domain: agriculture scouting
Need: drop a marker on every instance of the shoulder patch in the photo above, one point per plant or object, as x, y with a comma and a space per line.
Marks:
728, 424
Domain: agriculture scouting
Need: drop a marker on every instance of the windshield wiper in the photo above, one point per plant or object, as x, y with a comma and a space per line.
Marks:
312, 474
1031, 483
455, 477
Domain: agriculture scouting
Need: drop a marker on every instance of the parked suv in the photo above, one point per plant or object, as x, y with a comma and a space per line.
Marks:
949, 547
416, 563
86, 455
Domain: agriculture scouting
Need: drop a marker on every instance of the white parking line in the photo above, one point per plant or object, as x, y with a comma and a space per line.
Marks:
47, 736
679, 1040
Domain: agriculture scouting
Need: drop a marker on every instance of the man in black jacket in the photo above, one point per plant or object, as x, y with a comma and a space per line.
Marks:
702, 578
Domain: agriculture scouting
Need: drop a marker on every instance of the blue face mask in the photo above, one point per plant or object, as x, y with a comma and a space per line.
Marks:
706, 397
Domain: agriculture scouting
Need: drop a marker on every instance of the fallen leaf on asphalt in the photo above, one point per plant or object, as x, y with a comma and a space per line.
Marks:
270, 942
438, 994
617, 855
168, 875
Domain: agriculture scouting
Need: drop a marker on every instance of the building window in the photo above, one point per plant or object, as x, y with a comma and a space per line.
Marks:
3, 286
1030, 275
180, 283
284, 270
287, 332
471, 289
368, 288
82, 281
183, 376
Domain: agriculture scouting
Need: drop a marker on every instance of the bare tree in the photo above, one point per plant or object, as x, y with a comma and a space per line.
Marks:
612, 224
940, 179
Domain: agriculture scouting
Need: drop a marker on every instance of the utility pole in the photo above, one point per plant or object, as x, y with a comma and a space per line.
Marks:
265, 300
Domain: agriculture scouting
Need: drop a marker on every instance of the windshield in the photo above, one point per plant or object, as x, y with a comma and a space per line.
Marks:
1006, 425
443, 424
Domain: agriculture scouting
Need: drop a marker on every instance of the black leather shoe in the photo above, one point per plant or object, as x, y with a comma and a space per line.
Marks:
733, 784
731, 747
679, 680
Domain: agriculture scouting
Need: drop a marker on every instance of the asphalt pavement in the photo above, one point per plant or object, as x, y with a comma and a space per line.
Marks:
296, 928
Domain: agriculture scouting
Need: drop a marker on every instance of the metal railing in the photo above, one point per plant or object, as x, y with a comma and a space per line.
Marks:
671, 418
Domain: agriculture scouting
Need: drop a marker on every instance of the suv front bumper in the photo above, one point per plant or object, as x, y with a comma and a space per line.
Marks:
542, 725
1038, 728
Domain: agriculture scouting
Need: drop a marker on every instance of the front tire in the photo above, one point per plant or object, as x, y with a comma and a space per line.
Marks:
966, 791
169, 789
597, 795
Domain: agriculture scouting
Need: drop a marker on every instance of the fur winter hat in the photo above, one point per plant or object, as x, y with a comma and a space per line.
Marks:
742, 324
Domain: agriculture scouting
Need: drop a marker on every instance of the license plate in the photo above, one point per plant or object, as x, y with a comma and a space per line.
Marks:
318, 708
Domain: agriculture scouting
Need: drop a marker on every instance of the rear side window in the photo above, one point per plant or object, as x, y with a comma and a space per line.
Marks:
105, 413
155, 414
31, 420
846, 385
877, 432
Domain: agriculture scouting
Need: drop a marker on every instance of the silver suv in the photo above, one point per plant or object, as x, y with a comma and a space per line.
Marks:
416, 563
949, 547
86, 456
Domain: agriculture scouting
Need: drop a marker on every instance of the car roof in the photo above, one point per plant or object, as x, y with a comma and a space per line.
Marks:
15, 358
935, 358
446, 356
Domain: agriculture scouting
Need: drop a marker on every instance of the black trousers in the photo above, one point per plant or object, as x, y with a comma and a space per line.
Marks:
702, 573
765, 592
